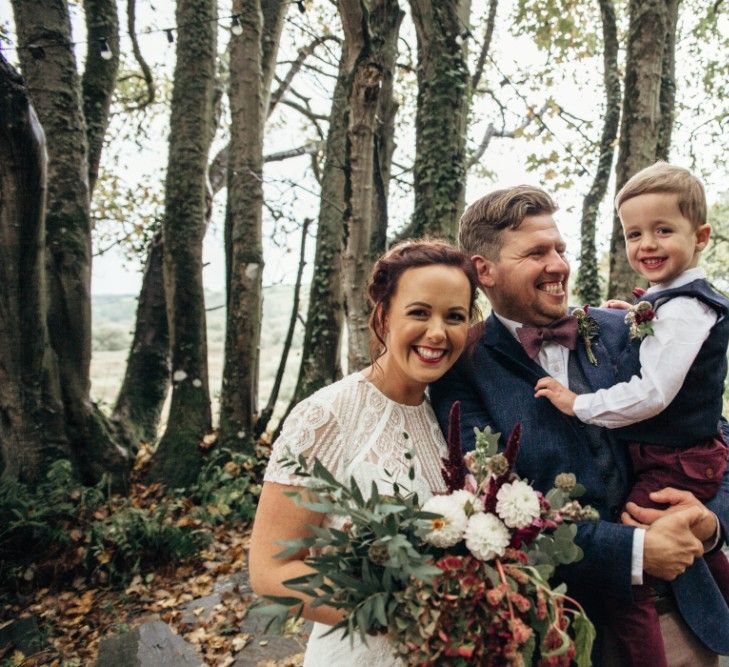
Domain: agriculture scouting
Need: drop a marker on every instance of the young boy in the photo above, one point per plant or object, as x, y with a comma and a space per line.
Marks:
668, 401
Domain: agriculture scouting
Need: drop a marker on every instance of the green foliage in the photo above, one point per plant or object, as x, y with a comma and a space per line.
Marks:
133, 539
61, 529
37, 521
225, 489
566, 29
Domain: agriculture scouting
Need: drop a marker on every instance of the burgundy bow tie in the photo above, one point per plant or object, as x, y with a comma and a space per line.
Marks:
563, 331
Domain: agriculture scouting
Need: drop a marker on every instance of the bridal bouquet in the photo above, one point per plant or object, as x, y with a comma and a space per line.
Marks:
462, 579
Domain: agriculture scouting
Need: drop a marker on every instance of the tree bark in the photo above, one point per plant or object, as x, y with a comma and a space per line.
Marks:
32, 433
243, 236
442, 115
178, 458
99, 79
641, 124
320, 355
55, 89
367, 33
147, 375
668, 82
252, 65
588, 280
266, 413
386, 20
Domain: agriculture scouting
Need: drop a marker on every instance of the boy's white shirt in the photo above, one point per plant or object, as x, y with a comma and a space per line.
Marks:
680, 328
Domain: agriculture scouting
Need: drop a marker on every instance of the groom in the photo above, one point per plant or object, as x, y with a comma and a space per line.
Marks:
519, 256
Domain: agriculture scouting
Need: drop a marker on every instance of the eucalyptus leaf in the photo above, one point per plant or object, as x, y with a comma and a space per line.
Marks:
584, 638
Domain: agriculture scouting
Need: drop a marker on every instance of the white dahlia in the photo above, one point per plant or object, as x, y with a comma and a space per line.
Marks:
447, 529
486, 536
470, 502
517, 504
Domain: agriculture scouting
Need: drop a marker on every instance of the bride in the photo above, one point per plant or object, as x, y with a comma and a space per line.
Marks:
423, 296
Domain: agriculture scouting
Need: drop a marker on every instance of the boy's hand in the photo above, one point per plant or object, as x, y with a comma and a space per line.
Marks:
616, 303
562, 398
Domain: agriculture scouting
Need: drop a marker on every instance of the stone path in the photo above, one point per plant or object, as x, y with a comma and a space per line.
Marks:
154, 644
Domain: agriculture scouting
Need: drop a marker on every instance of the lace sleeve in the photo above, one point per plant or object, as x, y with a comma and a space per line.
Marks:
310, 429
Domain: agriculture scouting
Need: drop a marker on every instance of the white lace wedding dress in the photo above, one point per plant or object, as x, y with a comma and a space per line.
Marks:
356, 431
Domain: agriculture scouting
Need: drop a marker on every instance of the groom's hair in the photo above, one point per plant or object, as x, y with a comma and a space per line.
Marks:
664, 178
485, 219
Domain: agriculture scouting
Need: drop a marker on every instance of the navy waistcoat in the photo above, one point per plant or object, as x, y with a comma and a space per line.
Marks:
693, 415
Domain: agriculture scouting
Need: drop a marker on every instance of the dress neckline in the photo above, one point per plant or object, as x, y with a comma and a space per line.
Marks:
415, 408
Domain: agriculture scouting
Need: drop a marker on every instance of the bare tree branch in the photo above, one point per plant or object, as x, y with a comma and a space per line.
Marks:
266, 413
486, 46
304, 53
310, 148
304, 111
146, 72
492, 132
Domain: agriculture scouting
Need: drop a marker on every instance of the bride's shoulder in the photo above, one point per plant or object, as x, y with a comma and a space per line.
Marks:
333, 400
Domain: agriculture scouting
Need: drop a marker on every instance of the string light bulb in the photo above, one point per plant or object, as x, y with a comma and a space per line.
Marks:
104, 50
301, 6
170, 35
235, 27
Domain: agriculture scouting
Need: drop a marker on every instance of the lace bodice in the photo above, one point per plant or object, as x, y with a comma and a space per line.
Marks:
356, 431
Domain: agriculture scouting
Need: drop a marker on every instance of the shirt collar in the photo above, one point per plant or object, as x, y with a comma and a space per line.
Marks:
688, 276
511, 325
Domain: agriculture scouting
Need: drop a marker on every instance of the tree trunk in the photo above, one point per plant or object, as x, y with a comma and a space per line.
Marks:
668, 82
641, 126
442, 116
588, 281
99, 79
178, 458
32, 433
320, 354
386, 22
55, 89
147, 376
243, 236
146, 381
274, 13
367, 35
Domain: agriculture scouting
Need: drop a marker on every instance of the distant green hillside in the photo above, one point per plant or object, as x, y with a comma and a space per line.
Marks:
113, 325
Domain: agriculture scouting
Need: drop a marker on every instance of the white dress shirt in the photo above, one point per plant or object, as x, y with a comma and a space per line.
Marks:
679, 330
554, 358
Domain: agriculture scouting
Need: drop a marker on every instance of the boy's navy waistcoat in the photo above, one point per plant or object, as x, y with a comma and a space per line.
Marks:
693, 415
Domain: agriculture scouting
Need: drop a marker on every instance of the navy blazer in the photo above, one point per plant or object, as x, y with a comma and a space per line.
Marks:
495, 385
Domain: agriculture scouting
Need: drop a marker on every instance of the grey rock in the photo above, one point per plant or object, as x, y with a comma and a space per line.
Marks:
152, 644
238, 581
268, 647
206, 603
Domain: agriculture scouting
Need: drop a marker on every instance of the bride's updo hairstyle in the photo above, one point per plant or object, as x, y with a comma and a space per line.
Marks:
398, 259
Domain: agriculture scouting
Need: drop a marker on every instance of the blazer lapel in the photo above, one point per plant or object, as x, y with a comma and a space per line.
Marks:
503, 345
602, 375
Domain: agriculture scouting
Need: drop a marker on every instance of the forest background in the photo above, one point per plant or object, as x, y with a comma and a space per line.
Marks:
230, 171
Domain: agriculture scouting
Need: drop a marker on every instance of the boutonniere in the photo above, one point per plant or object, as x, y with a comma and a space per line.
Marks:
587, 328
640, 319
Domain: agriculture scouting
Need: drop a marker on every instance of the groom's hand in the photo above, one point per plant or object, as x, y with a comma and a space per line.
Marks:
670, 545
677, 500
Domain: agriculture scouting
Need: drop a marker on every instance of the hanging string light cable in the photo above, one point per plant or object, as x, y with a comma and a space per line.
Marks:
38, 50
